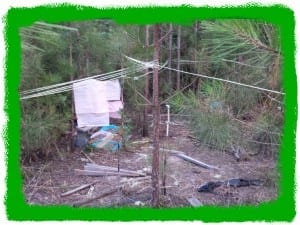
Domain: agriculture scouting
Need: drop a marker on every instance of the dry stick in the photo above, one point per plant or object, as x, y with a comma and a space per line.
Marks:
38, 180
90, 184
78, 189
102, 195
92, 161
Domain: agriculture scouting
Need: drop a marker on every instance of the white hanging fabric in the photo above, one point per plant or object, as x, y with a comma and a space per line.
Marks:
91, 104
113, 90
114, 109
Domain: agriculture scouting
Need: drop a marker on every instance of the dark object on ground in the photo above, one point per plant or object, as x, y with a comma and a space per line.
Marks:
236, 182
210, 186
239, 182
81, 140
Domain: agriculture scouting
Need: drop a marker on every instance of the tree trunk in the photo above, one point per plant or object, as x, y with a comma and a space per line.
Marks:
170, 54
196, 84
156, 119
178, 58
146, 109
72, 149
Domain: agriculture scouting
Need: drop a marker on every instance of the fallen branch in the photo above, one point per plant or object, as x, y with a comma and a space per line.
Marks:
102, 195
78, 189
92, 161
38, 179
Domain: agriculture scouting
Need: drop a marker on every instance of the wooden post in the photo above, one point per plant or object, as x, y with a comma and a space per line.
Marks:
72, 148
170, 54
178, 57
156, 119
146, 109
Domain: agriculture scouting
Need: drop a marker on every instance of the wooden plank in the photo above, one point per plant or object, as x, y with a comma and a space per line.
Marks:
105, 173
196, 162
95, 167
194, 202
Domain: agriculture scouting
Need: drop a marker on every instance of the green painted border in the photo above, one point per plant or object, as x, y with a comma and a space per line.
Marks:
282, 209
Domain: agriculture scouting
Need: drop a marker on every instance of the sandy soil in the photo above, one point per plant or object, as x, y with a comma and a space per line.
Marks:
45, 181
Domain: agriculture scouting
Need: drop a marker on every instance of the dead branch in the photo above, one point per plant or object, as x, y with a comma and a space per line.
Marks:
35, 189
102, 195
92, 161
78, 189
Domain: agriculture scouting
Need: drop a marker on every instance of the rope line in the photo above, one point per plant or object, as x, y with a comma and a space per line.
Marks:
67, 86
227, 81
122, 73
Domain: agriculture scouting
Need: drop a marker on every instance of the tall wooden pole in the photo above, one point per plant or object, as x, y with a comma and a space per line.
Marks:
178, 57
146, 109
156, 119
72, 99
170, 53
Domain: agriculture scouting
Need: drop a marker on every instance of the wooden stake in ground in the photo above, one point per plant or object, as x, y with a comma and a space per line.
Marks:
156, 119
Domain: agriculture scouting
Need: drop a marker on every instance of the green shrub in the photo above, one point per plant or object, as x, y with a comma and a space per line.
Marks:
44, 120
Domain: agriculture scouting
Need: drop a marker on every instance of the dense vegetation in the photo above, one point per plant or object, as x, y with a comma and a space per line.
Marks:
222, 115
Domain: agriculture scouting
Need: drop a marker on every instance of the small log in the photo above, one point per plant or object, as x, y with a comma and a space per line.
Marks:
102, 195
105, 173
196, 162
77, 189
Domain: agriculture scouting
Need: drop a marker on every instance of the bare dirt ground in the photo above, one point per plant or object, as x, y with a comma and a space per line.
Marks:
45, 181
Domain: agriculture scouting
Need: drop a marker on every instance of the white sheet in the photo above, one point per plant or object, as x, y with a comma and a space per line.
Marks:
91, 105
113, 90
114, 109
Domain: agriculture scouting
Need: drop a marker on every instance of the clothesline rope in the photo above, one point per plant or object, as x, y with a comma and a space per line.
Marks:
122, 73
208, 77
227, 81
67, 86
